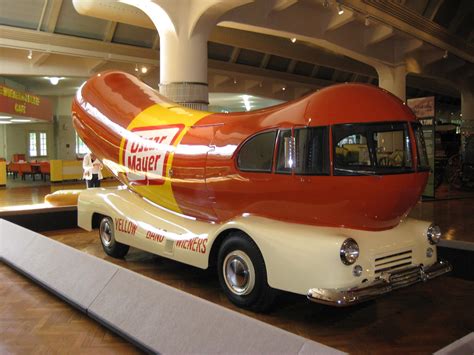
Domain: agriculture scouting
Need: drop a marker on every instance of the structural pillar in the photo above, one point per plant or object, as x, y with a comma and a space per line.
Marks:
393, 79
184, 27
467, 112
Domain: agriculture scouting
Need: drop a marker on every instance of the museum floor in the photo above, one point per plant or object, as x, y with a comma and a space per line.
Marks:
420, 319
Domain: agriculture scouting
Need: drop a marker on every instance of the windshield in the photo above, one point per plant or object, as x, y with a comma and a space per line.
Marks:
372, 149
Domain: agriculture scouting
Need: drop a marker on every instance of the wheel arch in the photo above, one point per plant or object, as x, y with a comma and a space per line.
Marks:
221, 237
96, 218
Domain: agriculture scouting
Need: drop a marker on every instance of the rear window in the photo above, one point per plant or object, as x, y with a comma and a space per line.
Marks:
257, 153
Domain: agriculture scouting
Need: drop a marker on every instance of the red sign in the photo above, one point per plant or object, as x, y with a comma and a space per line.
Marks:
23, 104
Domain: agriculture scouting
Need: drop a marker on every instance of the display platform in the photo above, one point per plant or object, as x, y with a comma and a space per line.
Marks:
41, 217
154, 316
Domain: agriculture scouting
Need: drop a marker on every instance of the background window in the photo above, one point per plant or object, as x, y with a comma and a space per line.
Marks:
43, 144
81, 147
257, 153
32, 145
38, 144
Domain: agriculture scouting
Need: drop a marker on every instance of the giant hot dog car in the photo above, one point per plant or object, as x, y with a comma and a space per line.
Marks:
310, 196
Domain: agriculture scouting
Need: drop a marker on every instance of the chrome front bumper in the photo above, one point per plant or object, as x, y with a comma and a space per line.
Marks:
381, 285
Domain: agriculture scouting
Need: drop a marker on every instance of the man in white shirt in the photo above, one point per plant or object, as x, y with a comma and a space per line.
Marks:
92, 170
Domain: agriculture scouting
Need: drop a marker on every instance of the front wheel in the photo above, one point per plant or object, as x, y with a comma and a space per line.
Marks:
242, 273
107, 239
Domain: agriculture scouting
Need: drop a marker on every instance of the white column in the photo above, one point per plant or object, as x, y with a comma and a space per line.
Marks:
183, 69
393, 79
184, 27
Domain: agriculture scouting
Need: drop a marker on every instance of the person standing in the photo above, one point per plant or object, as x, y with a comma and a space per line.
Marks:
92, 170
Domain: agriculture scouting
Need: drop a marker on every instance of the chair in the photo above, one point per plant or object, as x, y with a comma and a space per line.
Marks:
14, 169
18, 157
44, 169
26, 169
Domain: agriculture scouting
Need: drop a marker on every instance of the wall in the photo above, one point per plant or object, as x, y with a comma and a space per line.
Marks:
65, 133
61, 133
17, 139
3, 142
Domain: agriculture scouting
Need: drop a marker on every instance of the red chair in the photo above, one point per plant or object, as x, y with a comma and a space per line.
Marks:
26, 169
14, 169
18, 157
44, 169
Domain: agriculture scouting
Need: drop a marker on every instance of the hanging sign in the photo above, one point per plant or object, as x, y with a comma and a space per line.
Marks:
18, 103
422, 106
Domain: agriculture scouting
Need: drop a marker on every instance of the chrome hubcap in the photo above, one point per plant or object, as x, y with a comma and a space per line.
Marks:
106, 234
239, 273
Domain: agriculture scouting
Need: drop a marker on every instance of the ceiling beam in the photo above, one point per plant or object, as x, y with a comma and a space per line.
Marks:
280, 5
279, 46
53, 16
378, 33
39, 58
432, 9
80, 47
234, 55
336, 21
110, 31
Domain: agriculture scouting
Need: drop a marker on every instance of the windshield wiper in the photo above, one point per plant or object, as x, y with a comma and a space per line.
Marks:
358, 172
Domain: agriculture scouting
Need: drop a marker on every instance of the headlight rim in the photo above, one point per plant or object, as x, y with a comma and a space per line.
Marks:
343, 251
433, 234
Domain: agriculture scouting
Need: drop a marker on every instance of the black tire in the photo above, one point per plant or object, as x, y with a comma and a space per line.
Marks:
242, 273
107, 239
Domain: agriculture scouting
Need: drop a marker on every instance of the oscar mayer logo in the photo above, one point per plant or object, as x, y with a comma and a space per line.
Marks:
146, 153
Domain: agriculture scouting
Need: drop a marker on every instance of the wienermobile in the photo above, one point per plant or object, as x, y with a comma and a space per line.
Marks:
310, 196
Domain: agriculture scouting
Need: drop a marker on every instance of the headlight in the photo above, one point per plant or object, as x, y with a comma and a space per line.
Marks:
434, 234
349, 251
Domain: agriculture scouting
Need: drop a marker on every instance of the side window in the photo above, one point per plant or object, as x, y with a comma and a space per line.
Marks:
257, 153
312, 155
283, 166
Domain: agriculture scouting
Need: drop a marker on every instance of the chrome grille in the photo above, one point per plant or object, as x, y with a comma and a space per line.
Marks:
405, 277
393, 262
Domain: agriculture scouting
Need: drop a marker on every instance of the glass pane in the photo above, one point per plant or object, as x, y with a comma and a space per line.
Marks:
375, 148
392, 149
423, 162
283, 166
257, 153
352, 151
311, 151
81, 148
32, 145
43, 144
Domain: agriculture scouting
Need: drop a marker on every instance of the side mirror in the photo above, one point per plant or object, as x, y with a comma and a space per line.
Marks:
290, 155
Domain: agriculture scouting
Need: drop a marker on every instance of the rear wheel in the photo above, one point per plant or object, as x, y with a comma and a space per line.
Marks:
107, 239
242, 273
